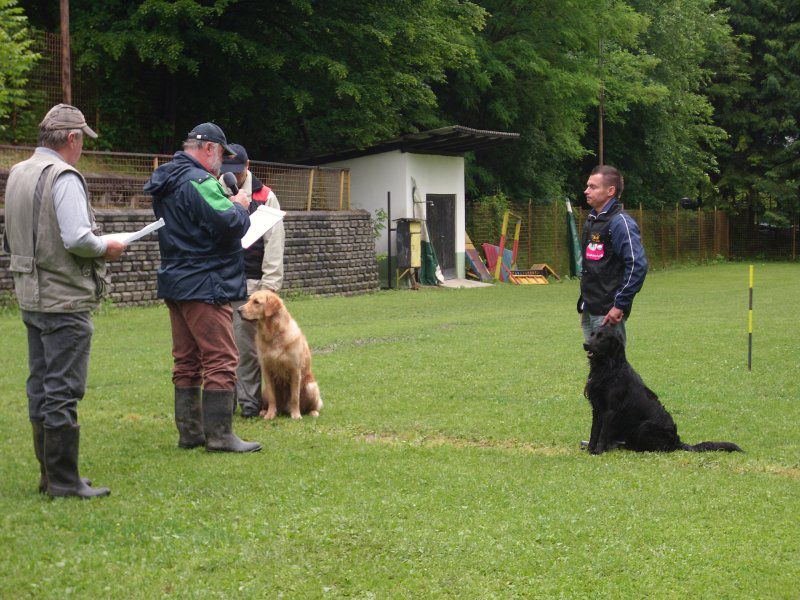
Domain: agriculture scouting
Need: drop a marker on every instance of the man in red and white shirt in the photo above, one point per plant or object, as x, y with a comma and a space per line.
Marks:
263, 265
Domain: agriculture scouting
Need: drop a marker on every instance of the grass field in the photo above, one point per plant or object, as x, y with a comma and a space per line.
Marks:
445, 463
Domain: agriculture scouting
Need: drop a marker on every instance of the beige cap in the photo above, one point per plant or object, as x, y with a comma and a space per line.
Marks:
65, 116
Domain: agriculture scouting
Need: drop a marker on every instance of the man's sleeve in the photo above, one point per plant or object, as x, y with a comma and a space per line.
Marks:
272, 263
627, 243
72, 213
218, 215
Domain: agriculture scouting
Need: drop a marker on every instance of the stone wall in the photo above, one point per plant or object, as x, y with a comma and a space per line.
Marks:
327, 253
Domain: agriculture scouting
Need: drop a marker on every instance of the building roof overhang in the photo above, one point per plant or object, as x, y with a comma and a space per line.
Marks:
454, 140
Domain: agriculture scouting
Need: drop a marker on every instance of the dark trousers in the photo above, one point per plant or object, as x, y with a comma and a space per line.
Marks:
202, 345
248, 374
58, 364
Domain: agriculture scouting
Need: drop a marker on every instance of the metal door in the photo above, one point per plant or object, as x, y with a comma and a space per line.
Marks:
441, 220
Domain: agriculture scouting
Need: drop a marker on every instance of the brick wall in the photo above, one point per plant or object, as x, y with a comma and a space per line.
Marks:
327, 253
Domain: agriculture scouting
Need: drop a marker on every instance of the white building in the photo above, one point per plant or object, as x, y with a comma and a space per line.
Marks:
383, 177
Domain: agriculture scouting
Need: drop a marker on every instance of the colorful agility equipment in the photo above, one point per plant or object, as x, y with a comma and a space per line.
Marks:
475, 261
506, 269
537, 274
500, 252
491, 252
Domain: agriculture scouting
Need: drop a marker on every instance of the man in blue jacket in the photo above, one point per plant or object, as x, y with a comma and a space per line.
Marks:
201, 272
614, 264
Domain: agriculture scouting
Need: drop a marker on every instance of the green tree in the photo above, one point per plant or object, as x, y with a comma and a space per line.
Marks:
665, 141
286, 78
543, 69
292, 78
758, 108
540, 74
16, 58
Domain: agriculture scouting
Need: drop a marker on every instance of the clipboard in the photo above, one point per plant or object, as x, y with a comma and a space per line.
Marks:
262, 220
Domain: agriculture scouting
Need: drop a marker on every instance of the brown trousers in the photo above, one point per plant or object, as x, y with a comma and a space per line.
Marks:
203, 345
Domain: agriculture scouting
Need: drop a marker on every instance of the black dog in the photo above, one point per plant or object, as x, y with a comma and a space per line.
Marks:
624, 409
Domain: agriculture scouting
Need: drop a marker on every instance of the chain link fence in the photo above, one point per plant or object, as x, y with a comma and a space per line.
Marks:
670, 236
542, 236
750, 238
305, 188
44, 91
116, 179
678, 236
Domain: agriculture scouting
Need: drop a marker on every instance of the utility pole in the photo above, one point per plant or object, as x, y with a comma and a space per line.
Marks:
601, 106
66, 82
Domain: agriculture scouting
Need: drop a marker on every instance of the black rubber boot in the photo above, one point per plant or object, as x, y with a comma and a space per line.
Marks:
189, 417
61, 461
38, 448
217, 419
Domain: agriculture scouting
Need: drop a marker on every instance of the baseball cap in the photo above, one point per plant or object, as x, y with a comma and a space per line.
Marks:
235, 164
210, 132
66, 116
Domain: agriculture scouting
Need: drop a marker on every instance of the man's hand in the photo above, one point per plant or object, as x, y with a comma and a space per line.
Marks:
114, 249
241, 199
613, 317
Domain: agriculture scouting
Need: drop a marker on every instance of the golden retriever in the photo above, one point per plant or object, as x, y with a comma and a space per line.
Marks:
289, 386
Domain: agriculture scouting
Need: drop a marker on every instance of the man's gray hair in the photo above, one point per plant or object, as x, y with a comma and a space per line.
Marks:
56, 138
193, 144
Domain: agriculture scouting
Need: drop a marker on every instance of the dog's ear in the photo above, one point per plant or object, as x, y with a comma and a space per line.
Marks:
614, 340
272, 303
260, 303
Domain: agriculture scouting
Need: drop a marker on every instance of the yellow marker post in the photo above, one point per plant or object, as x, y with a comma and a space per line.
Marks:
750, 325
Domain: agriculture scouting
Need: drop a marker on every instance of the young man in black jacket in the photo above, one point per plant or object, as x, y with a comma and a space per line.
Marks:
614, 264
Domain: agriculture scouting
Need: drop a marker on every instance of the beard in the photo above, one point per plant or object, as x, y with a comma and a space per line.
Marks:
216, 165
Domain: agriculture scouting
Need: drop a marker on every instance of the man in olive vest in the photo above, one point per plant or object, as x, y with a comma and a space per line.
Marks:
614, 264
57, 261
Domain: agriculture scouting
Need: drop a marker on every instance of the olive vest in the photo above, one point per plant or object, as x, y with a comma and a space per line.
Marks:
47, 277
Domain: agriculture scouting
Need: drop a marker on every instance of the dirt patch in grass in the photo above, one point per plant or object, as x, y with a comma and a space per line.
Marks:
438, 440
434, 441
329, 348
780, 470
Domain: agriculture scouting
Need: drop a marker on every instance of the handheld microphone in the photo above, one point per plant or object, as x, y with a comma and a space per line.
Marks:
230, 181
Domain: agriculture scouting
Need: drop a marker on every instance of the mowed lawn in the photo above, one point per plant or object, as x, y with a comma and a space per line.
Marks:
446, 461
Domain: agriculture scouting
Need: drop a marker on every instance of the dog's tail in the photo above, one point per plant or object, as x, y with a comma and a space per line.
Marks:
712, 447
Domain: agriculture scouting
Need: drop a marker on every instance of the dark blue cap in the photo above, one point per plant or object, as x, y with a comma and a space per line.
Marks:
237, 163
210, 132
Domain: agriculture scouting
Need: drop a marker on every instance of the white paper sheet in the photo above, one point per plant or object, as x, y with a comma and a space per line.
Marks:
126, 237
261, 221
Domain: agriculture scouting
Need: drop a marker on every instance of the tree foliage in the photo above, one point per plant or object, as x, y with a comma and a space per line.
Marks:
16, 57
539, 74
665, 141
699, 96
757, 105
287, 77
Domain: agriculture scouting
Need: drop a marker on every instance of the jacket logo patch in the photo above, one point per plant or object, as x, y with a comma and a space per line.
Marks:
595, 251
